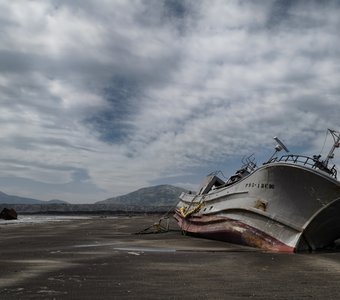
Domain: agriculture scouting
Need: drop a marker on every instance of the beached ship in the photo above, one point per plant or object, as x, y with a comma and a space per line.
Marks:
289, 203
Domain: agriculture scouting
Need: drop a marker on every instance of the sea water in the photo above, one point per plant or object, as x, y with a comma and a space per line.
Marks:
30, 219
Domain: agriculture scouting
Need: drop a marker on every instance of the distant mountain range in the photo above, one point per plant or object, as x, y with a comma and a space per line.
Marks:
10, 199
149, 199
160, 195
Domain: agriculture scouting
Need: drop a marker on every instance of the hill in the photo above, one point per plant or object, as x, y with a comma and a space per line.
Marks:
159, 198
155, 196
10, 199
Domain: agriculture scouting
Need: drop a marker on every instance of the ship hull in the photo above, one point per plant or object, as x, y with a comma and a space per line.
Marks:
279, 207
232, 231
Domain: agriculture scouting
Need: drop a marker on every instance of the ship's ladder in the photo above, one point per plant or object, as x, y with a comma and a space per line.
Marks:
159, 227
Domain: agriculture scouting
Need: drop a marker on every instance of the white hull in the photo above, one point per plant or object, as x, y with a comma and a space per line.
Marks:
279, 206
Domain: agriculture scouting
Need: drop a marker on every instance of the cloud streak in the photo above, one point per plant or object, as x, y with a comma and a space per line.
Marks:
99, 98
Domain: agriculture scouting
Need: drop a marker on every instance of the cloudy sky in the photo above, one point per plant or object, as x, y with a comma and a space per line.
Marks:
102, 97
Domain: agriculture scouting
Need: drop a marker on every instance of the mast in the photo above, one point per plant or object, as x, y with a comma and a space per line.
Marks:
336, 144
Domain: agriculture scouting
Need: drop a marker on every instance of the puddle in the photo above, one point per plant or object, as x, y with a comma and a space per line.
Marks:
94, 245
145, 249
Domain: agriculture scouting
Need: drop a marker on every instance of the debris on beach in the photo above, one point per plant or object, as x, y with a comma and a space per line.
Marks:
8, 214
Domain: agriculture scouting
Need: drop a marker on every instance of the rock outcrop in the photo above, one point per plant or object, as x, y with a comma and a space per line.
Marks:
8, 214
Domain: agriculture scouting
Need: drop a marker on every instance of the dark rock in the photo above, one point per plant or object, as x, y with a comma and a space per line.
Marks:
8, 214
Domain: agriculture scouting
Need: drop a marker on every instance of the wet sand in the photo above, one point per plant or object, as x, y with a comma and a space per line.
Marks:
102, 258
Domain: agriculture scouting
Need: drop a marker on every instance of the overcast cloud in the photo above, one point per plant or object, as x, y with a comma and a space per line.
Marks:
99, 98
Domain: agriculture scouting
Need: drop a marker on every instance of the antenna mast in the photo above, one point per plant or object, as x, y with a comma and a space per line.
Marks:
336, 144
278, 147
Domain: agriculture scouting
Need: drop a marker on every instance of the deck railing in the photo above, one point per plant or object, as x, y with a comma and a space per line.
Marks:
311, 162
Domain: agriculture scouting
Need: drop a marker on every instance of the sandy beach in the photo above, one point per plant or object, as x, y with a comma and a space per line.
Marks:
102, 258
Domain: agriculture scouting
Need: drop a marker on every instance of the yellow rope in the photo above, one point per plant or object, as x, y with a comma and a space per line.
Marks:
190, 212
